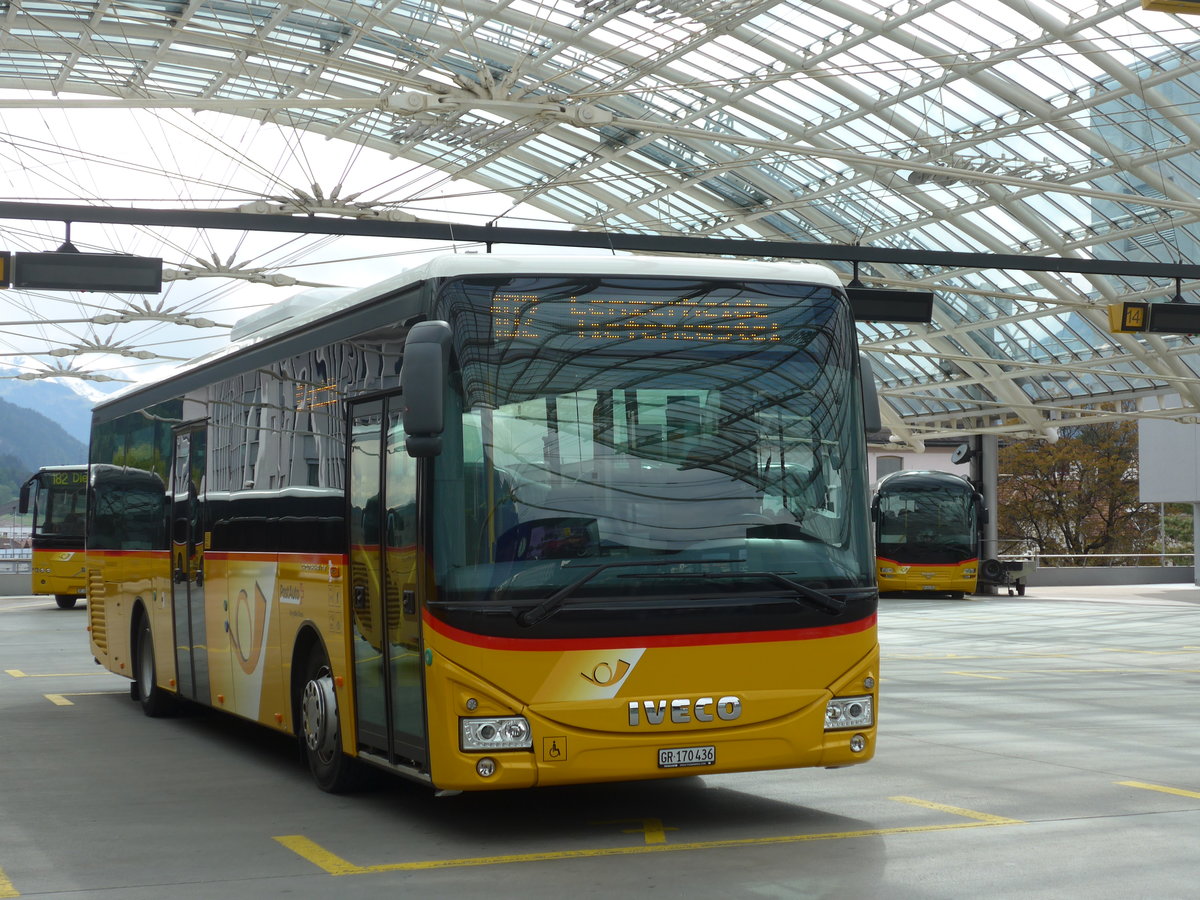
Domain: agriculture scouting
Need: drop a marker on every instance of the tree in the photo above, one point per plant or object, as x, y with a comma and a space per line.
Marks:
1077, 496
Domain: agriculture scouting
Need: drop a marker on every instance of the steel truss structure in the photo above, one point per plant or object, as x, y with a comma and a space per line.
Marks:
1037, 129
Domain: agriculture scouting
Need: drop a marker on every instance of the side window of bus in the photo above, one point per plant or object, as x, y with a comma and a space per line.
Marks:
128, 516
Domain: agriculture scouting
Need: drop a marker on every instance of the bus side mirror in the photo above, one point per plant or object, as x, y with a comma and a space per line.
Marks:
423, 375
872, 421
23, 501
875, 510
981, 511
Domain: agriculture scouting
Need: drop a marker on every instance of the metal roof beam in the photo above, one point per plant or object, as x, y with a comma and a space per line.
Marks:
600, 240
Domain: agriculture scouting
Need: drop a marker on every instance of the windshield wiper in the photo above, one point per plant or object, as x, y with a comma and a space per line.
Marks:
803, 593
547, 607
818, 599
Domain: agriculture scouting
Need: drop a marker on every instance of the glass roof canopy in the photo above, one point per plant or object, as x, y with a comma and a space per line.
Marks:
1043, 128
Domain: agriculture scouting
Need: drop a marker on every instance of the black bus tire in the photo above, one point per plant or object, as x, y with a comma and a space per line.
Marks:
319, 727
155, 701
65, 601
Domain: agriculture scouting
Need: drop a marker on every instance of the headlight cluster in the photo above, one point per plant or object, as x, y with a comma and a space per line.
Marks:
849, 712
495, 733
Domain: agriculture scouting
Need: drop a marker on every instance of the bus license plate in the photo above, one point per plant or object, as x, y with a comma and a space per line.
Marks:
677, 757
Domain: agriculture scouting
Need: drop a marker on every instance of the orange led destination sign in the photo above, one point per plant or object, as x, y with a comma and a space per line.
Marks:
516, 316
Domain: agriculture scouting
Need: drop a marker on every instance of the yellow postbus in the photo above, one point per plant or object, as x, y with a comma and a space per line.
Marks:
501, 522
928, 533
57, 497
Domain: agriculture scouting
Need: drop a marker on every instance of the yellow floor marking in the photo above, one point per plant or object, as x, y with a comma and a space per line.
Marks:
17, 673
653, 829
959, 811
977, 675
318, 855
1159, 787
6, 887
61, 699
335, 865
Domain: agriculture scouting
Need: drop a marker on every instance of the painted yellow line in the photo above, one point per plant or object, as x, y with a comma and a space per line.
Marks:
987, 818
17, 673
61, 699
318, 855
977, 675
1158, 787
6, 886
653, 829
335, 865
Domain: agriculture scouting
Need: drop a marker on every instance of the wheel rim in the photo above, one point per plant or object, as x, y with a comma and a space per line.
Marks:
319, 715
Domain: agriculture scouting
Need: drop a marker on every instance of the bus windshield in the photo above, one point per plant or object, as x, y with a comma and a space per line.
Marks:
61, 503
927, 523
675, 438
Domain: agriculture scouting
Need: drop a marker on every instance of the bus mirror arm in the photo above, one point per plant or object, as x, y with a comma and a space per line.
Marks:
423, 377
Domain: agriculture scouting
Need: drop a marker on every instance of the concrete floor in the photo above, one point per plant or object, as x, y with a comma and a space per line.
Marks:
1046, 746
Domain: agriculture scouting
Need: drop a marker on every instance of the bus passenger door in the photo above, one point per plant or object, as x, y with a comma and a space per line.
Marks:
388, 675
187, 562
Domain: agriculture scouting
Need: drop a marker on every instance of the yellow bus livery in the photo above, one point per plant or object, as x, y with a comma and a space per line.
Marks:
505, 522
57, 496
928, 533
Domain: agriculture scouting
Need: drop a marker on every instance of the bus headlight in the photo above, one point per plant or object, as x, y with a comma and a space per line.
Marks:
886, 570
849, 712
495, 733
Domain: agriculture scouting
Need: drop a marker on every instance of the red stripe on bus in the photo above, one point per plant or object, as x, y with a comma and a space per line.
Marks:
884, 559
654, 640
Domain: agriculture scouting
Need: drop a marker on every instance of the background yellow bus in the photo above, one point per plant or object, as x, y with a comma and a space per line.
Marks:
57, 497
501, 522
928, 533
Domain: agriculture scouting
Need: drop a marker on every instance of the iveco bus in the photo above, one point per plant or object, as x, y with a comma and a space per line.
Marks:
57, 497
508, 521
928, 529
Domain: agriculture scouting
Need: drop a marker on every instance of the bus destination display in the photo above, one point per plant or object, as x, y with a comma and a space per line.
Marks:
611, 318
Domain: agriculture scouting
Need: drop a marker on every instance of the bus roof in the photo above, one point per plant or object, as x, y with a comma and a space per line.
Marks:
293, 315
464, 264
917, 479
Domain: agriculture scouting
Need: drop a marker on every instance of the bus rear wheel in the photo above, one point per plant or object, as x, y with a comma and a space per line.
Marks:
155, 701
65, 601
320, 730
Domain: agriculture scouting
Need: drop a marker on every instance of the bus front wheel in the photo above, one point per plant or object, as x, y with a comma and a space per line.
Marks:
155, 701
65, 601
320, 730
